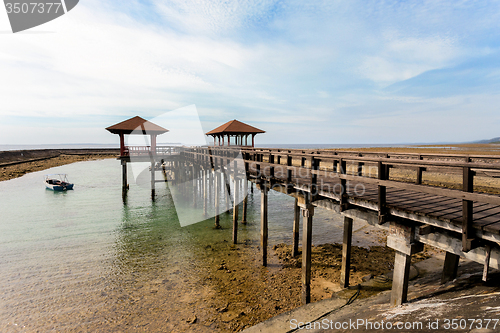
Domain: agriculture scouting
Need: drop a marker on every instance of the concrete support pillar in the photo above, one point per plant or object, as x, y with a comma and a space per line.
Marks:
307, 214
235, 211
296, 227
450, 267
346, 253
263, 222
400, 280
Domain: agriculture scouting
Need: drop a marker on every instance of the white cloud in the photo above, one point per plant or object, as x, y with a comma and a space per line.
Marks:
402, 58
288, 65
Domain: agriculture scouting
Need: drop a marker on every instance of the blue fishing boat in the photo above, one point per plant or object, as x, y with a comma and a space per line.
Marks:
58, 182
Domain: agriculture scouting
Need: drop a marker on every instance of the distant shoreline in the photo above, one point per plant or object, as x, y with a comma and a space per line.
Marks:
15, 163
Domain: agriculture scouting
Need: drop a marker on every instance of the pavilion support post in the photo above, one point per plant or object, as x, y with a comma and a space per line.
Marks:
235, 211
402, 239
245, 201
296, 227
450, 267
122, 144
307, 213
346, 253
263, 221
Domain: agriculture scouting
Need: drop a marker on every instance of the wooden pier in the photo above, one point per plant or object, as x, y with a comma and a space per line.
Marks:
358, 185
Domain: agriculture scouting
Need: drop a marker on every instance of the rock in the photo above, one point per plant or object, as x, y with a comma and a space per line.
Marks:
192, 320
223, 309
229, 316
367, 277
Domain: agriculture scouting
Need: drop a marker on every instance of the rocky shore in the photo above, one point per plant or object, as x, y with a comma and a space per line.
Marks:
15, 163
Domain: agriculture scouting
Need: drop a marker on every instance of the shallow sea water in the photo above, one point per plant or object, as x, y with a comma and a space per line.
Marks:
83, 260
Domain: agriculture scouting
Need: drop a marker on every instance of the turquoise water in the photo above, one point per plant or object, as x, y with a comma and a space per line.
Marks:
84, 260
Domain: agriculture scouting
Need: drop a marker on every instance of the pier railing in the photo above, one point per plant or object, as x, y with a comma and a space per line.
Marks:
146, 150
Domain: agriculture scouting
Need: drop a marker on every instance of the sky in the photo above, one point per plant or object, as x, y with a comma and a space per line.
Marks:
326, 72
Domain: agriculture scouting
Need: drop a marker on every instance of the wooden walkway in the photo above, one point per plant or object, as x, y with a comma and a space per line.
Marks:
460, 221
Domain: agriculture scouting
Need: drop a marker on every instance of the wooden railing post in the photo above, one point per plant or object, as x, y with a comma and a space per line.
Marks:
271, 161
359, 172
382, 195
314, 177
467, 209
419, 172
289, 171
343, 186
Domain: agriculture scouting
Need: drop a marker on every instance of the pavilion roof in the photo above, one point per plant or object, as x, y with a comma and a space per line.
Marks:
235, 126
136, 125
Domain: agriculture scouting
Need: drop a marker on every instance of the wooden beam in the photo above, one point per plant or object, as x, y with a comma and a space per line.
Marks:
235, 211
346, 253
153, 166
124, 176
263, 222
306, 253
245, 201
217, 198
296, 226
382, 195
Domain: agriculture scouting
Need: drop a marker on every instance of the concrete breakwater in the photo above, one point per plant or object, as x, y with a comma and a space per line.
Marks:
12, 157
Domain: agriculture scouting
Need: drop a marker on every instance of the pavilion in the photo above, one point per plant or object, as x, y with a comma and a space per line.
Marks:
234, 129
137, 125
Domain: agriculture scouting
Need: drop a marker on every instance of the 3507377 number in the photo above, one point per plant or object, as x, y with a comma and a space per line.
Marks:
454, 324
33, 7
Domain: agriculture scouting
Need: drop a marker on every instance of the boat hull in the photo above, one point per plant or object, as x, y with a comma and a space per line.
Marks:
59, 187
